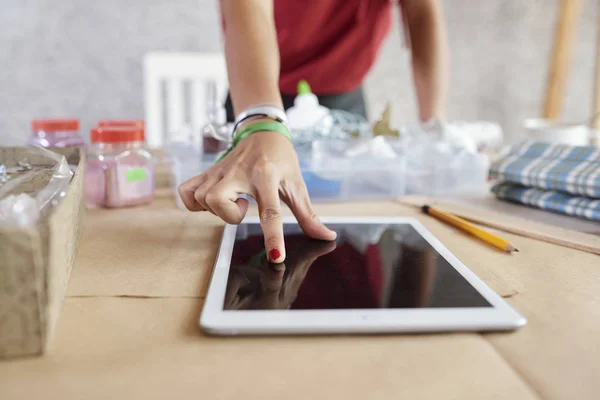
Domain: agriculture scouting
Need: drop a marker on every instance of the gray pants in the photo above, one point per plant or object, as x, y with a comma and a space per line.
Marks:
353, 102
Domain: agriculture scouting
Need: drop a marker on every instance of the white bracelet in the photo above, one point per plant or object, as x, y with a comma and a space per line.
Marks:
260, 110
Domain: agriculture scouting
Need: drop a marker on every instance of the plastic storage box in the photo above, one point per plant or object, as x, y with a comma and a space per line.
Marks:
334, 179
371, 169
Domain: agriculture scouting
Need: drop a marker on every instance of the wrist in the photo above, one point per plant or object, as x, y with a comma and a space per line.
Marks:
252, 121
269, 125
259, 111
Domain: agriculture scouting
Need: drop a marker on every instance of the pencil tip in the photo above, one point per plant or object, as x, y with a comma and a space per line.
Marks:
511, 249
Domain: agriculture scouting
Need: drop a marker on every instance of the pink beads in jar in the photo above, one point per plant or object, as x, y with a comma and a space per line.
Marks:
120, 172
56, 133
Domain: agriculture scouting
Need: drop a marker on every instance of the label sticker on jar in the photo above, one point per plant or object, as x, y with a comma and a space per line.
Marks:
128, 185
136, 174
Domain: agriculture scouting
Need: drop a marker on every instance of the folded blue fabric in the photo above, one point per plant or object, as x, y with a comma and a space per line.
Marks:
555, 167
549, 200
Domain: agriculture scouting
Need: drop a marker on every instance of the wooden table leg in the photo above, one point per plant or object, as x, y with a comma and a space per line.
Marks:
596, 109
559, 62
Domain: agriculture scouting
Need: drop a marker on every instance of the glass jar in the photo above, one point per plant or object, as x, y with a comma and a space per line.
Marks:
56, 133
120, 172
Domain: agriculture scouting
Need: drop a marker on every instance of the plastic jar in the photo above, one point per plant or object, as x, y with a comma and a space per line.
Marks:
122, 123
120, 172
56, 133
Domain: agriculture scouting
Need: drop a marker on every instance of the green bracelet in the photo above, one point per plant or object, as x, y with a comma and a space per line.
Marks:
248, 130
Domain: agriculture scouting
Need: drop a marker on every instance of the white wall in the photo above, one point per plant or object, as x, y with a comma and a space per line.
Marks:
82, 58
500, 51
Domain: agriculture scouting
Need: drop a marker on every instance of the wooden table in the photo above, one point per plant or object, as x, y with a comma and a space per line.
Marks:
129, 326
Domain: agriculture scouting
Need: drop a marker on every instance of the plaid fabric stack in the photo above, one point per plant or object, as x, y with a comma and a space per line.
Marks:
554, 177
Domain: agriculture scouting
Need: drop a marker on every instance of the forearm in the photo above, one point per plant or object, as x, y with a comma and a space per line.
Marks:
251, 52
429, 56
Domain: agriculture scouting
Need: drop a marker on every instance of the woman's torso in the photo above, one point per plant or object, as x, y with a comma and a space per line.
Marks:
330, 43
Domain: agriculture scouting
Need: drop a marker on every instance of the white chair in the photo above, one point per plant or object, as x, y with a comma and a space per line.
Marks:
175, 72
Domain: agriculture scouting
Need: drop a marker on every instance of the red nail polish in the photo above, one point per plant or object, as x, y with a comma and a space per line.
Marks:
274, 254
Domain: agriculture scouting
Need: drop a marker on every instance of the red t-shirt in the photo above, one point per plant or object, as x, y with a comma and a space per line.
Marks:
330, 43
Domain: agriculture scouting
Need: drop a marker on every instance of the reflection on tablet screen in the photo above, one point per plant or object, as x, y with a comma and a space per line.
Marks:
368, 266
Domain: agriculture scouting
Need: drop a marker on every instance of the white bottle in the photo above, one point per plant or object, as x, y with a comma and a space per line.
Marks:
307, 113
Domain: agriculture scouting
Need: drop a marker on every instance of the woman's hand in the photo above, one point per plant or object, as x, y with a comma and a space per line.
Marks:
265, 166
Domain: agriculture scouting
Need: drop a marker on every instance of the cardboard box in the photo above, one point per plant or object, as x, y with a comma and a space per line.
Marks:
36, 260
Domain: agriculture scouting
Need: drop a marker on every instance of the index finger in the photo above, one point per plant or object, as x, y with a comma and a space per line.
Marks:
269, 211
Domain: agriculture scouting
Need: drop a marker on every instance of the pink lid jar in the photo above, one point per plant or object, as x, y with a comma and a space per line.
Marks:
120, 172
56, 133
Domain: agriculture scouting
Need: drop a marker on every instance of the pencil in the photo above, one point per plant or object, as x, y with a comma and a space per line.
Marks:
471, 229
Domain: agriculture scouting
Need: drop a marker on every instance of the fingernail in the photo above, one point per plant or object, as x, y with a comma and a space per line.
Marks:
274, 254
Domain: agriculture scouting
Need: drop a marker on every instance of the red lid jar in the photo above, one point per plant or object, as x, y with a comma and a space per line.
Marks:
116, 135
59, 132
122, 123
120, 172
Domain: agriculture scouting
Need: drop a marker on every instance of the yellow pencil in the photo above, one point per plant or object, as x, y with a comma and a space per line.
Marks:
469, 228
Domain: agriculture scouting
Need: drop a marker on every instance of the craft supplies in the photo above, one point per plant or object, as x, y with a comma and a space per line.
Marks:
554, 177
382, 126
570, 169
306, 113
549, 200
482, 215
543, 130
377, 148
22, 169
346, 126
40, 213
487, 136
56, 133
120, 171
471, 229
437, 163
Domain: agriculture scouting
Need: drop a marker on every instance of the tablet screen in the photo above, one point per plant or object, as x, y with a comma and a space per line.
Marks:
369, 266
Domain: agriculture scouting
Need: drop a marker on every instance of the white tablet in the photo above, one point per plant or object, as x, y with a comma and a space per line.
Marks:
381, 275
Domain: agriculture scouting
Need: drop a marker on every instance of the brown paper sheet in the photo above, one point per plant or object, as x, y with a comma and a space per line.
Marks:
160, 251
154, 346
559, 293
152, 349
155, 251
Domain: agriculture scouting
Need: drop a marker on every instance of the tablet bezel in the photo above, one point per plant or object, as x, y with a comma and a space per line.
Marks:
216, 320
